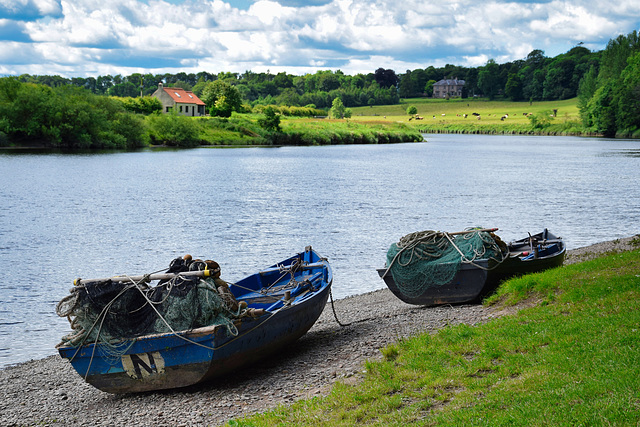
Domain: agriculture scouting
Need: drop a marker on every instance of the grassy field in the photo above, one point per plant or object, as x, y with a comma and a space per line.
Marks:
452, 111
440, 115
572, 357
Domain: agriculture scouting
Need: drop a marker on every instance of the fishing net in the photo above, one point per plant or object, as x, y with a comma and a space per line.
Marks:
113, 312
425, 259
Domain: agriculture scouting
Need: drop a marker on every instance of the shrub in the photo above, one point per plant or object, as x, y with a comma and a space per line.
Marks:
174, 129
271, 121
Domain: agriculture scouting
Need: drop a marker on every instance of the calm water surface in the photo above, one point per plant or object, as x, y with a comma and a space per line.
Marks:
69, 216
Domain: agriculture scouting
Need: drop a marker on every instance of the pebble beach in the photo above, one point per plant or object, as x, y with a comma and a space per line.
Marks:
50, 392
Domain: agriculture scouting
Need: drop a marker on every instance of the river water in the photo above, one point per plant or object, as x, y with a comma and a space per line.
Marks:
64, 216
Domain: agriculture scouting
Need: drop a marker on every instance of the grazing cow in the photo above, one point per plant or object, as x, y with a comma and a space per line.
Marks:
475, 114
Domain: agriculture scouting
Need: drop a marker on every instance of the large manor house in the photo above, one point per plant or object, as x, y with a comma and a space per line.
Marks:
448, 88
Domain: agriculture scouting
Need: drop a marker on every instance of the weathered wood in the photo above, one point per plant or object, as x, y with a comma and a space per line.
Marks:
146, 277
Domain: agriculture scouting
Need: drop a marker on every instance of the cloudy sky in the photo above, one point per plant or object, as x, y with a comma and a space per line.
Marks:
80, 38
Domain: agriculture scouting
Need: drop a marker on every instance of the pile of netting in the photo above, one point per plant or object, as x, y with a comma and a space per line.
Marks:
429, 258
111, 312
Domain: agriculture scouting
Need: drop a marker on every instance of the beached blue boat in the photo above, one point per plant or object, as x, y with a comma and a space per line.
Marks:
273, 308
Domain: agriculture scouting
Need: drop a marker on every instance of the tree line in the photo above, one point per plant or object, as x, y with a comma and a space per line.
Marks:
533, 78
609, 95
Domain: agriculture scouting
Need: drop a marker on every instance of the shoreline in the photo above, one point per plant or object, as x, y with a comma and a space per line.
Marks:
48, 390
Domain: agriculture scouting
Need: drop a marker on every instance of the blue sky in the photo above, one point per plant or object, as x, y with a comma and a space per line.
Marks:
81, 38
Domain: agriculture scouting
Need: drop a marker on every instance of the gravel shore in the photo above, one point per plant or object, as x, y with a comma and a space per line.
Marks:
50, 392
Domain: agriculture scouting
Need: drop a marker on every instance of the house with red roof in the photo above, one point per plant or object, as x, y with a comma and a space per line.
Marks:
184, 101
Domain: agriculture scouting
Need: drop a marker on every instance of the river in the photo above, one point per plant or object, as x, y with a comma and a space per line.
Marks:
64, 216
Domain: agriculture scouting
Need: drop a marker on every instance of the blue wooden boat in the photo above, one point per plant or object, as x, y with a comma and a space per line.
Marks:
285, 300
479, 278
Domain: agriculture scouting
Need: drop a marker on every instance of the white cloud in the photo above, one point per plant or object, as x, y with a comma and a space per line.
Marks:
82, 36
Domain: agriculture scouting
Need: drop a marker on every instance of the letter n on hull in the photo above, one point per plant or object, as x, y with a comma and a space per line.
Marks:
143, 365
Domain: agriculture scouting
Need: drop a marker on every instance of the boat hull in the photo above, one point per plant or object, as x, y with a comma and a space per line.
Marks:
169, 360
466, 285
475, 281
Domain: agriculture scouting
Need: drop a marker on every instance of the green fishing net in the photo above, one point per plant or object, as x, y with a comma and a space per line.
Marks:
112, 312
429, 258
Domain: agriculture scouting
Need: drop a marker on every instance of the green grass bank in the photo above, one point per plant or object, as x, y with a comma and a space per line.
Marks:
244, 130
570, 355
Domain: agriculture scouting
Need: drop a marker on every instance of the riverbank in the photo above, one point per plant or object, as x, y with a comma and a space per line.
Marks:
49, 391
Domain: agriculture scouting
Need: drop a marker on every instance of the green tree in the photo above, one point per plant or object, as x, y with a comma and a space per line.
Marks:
337, 110
386, 78
221, 98
406, 88
612, 108
327, 81
488, 79
628, 96
428, 88
614, 57
9, 88
601, 110
588, 87
513, 88
270, 121
412, 110
558, 81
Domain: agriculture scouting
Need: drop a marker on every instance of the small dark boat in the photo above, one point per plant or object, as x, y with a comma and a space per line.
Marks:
478, 277
273, 308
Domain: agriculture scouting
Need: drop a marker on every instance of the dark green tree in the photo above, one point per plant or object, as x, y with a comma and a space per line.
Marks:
488, 79
386, 78
513, 88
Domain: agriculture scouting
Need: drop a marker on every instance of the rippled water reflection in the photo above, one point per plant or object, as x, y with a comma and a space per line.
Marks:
69, 216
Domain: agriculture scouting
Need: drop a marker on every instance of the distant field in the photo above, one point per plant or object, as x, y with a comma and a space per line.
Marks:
448, 112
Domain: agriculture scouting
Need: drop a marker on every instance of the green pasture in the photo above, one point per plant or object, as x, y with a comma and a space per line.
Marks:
569, 356
446, 112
